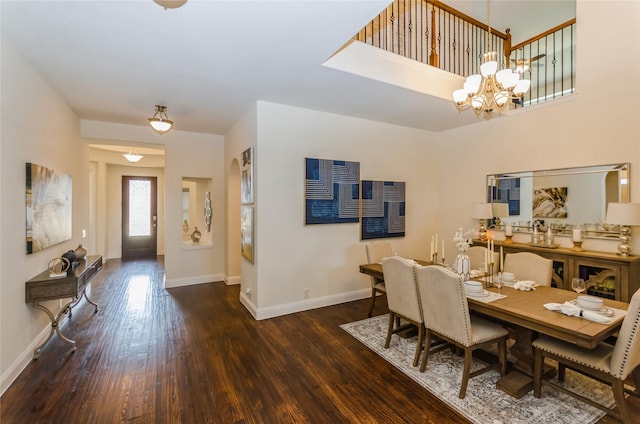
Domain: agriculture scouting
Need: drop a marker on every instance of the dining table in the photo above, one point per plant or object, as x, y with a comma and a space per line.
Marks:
524, 314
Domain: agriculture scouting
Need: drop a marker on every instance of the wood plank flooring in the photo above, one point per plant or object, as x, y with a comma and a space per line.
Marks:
195, 355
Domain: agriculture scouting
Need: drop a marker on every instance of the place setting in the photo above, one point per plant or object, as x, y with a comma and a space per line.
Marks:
476, 290
591, 308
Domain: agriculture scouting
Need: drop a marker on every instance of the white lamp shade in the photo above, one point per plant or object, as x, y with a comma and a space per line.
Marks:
481, 211
472, 85
500, 209
522, 87
477, 102
503, 76
459, 96
160, 125
627, 214
489, 68
501, 98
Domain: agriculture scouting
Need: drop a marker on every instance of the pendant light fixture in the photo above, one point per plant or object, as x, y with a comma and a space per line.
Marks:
160, 122
490, 90
132, 156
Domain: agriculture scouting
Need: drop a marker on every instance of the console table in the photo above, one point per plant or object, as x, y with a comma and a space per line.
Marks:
73, 285
593, 267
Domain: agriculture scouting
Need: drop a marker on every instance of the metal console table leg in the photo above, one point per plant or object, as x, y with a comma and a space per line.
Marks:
55, 321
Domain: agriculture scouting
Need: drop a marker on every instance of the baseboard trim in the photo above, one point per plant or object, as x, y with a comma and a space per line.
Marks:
190, 281
306, 304
232, 281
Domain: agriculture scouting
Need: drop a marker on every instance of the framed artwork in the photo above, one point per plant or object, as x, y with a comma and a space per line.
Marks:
246, 232
331, 191
48, 207
383, 209
550, 202
246, 196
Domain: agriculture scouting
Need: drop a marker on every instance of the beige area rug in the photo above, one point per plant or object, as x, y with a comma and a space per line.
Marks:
483, 403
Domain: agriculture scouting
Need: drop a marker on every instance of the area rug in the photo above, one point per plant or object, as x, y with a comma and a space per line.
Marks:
484, 403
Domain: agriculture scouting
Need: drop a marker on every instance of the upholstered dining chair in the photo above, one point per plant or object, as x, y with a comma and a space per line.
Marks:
529, 266
607, 363
402, 299
477, 256
375, 252
446, 315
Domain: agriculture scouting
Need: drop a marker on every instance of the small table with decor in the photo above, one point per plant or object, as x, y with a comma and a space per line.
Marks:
524, 312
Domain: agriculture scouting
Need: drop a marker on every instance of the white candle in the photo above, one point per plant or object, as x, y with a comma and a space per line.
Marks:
501, 260
436, 244
509, 230
577, 235
443, 248
432, 246
486, 260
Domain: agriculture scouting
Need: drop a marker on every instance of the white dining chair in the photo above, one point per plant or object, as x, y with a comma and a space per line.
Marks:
529, 266
375, 252
606, 363
446, 315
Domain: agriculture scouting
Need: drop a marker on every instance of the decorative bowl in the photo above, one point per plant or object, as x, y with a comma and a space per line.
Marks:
473, 286
590, 302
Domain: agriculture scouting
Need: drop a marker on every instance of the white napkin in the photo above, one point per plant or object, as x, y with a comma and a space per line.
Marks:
525, 285
570, 309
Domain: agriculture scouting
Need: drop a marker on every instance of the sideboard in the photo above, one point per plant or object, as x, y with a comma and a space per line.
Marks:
73, 286
606, 274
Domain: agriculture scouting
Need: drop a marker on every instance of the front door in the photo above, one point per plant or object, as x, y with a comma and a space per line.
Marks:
139, 217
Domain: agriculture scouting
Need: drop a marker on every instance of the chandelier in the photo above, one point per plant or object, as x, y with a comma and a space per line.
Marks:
132, 156
492, 89
160, 122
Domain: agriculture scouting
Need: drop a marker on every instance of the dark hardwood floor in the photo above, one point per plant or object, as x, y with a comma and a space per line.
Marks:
195, 355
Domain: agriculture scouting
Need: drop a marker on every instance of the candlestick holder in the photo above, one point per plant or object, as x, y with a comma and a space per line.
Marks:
489, 277
434, 258
443, 261
577, 246
508, 239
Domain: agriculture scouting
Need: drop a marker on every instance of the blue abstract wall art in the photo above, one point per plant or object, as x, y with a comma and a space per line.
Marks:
383, 209
332, 191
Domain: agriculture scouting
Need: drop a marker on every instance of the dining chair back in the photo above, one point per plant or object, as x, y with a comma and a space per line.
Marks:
606, 363
402, 299
446, 315
375, 252
529, 266
477, 256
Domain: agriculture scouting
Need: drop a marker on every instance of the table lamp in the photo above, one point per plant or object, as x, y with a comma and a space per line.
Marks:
482, 211
625, 215
499, 210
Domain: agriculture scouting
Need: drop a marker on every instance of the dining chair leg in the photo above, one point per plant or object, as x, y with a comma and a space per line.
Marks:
562, 368
416, 358
618, 395
373, 302
425, 355
389, 330
468, 359
538, 361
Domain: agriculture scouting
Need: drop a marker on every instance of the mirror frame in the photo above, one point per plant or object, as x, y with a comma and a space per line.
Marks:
603, 230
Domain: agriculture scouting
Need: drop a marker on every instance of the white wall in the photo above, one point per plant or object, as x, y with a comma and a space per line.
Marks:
292, 257
598, 125
53, 141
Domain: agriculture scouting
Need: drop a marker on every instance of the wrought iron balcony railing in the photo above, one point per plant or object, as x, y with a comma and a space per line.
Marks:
436, 34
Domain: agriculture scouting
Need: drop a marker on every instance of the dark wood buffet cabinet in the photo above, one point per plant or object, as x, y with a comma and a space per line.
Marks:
606, 274
72, 286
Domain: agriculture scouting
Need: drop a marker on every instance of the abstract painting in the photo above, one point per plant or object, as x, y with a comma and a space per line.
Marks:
48, 203
383, 209
246, 194
550, 202
246, 232
332, 191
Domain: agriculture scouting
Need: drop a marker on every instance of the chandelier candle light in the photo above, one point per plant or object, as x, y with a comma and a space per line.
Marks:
492, 89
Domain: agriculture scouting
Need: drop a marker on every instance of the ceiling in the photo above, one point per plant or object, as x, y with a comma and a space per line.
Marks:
210, 61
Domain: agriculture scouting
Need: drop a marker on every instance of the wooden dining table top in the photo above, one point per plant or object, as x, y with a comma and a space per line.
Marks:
525, 309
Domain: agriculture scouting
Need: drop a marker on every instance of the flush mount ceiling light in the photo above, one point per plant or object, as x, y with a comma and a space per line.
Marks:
170, 4
160, 122
132, 156
490, 90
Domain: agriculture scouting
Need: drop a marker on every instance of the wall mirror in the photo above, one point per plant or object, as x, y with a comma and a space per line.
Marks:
196, 209
564, 198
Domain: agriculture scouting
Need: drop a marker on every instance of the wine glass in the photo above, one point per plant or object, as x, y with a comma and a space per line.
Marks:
499, 282
577, 284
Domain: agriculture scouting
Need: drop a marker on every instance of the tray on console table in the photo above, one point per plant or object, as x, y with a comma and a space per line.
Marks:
44, 287
624, 269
